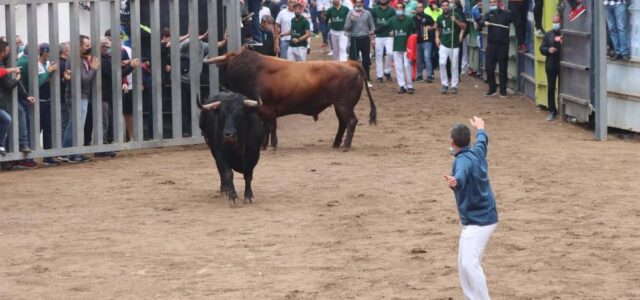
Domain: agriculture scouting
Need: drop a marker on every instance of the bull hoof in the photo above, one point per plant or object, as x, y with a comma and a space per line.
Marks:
346, 149
232, 203
248, 200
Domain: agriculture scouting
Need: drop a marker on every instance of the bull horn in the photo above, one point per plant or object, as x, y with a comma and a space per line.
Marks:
216, 60
251, 103
211, 106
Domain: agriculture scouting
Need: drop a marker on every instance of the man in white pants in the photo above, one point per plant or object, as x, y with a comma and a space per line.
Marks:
337, 16
300, 33
384, 42
283, 28
476, 204
450, 24
401, 27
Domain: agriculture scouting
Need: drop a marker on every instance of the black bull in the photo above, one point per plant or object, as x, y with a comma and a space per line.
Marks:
287, 87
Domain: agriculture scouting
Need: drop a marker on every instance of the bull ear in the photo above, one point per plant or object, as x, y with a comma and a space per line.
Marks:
211, 106
251, 103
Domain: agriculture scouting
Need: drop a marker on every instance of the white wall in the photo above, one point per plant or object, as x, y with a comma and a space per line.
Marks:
63, 19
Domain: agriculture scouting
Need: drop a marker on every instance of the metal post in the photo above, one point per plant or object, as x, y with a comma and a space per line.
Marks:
196, 58
599, 73
116, 73
96, 85
233, 25
157, 71
76, 64
56, 93
10, 22
176, 82
214, 83
33, 62
137, 73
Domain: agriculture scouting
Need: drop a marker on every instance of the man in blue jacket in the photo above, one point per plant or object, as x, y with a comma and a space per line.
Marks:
476, 205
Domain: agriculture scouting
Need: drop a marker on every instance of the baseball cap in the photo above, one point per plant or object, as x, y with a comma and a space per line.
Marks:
43, 47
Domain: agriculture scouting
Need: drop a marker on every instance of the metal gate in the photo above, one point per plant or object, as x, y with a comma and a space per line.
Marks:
111, 8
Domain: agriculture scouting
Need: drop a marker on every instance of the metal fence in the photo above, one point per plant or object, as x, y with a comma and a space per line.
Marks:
232, 25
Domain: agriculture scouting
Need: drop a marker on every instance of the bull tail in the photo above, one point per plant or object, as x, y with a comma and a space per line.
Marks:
373, 114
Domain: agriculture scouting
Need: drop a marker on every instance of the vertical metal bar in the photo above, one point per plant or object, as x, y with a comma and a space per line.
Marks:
76, 65
156, 69
176, 82
54, 55
137, 73
33, 62
96, 86
10, 14
116, 73
196, 58
599, 74
233, 25
214, 83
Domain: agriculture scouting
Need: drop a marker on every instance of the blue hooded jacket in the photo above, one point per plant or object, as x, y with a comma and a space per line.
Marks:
474, 196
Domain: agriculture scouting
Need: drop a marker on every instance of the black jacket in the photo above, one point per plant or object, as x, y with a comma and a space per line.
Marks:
553, 59
7, 84
107, 77
422, 21
496, 35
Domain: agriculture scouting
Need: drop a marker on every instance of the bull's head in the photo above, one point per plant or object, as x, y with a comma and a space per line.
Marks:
232, 111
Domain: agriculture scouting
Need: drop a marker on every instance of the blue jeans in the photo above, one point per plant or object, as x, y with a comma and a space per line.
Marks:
617, 25
24, 118
314, 19
5, 122
254, 7
67, 140
424, 58
284, 48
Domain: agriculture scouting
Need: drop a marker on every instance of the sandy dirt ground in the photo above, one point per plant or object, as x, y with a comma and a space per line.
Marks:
377, 222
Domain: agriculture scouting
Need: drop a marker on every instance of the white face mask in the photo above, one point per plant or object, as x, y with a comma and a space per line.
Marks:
452, 151
555, 26
358, 8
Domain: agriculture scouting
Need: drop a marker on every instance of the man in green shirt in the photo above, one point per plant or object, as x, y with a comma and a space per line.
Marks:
384, 43
300, 33
450, 24
337, 15
401, 27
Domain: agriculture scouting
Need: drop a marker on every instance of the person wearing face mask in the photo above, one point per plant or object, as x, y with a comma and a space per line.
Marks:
550, 47
497, 22
383, 41
450, 24
360, 27
20, 47
337, 16
300, 33
401, 27
476, 203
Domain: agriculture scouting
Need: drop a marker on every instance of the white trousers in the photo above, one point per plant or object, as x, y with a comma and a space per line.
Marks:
465, 55
297, 53
473, 240
383, 44
339, 43
452, 54
403, 69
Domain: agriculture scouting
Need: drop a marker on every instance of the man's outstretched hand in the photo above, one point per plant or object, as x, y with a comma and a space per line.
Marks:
477, 123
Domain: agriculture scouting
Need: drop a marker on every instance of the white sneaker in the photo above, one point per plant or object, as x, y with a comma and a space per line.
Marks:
330, 53
3, 151
369, 84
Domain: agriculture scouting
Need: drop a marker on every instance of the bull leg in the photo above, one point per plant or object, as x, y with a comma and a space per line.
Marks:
351, 129
248, 192
265, 139
342, 125
230, 188
220, 167
274, 135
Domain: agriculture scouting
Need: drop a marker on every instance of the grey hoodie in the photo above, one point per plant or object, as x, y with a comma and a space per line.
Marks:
362, 25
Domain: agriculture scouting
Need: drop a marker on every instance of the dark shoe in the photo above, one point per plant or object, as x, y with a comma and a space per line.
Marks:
25, 149
429, 79
626, 57
454, 90
552, 116
65, 159
402, 90
504, 95
443, 89
80, 158
50, 161
575, 13
6, 166
419, 78
411, 90
25, 165
388, 77
106, 154
490, 93
380, 79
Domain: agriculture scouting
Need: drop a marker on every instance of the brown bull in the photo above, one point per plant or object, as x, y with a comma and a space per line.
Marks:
287, 87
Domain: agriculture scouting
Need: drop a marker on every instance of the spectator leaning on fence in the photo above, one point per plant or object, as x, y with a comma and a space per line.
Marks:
497, 22
360, 27
337, 16
300, 34
551, 47
7, 85
617, 23
382, 13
